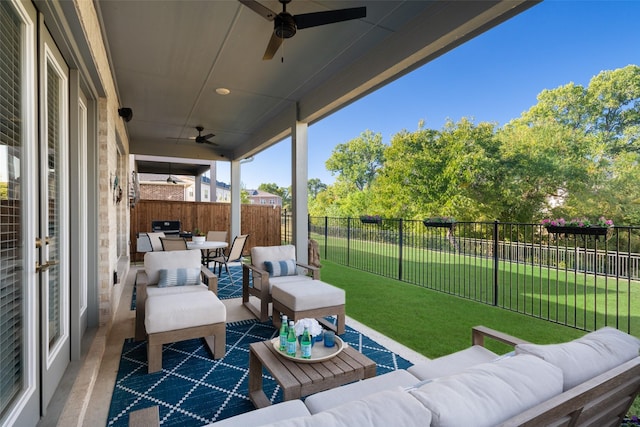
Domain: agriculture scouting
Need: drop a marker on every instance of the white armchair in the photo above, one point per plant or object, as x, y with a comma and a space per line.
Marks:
263, 280
147, 280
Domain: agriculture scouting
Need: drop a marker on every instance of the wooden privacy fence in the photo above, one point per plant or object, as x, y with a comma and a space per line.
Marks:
262, 223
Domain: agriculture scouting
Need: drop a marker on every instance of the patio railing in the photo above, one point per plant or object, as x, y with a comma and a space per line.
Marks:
582, 281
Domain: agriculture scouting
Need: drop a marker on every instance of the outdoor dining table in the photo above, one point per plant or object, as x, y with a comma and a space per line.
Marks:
206, 246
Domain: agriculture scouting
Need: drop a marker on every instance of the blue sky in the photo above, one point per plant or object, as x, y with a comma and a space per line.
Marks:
494, 77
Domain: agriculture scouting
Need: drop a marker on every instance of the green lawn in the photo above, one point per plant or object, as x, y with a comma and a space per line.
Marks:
585, 301
430, 322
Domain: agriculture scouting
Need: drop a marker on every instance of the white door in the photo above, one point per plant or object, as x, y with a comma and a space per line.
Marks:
34, 260
19, 329
52, 239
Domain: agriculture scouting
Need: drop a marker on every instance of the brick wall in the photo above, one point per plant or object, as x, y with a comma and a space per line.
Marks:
161, 192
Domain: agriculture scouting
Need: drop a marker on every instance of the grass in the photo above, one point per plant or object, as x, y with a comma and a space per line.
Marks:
582, 300
431, 322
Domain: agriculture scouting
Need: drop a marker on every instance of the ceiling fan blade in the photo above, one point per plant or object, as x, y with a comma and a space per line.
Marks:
207, 136
272, 47
314, 19
261, 10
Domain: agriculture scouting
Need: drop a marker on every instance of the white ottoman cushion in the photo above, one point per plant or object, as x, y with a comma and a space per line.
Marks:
337, 396
489, 393
586, 357
307, 295
280, 280
452, 363
183, 310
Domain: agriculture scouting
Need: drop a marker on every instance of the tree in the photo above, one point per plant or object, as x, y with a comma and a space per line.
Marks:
447, 172
357, 162
315, 186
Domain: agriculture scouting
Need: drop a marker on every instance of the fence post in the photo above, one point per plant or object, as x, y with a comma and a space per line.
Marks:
348, 240
400, 233
326, 235
496, 260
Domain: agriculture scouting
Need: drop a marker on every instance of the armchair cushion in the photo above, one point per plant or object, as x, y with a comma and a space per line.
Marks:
156, 261
281, 268
260, 254
179, 277
586, 357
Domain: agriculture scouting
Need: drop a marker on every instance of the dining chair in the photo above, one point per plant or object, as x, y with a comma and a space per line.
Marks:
154, 238
235, 254
213, 236
174, 243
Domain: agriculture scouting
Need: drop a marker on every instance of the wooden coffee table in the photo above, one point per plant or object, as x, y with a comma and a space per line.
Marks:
302, 379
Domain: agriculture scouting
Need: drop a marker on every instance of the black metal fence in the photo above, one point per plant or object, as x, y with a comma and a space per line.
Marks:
584, 281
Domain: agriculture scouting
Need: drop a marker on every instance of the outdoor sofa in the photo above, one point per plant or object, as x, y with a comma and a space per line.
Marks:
589, 381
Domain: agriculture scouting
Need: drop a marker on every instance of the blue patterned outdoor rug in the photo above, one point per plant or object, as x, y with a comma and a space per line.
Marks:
226, 288
193, 389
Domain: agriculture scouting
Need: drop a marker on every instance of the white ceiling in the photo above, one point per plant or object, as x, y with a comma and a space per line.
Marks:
169, 57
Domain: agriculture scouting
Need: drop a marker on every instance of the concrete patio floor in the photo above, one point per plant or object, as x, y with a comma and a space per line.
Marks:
84, 395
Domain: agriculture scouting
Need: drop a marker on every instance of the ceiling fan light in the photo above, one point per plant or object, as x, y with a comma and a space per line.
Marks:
223, 91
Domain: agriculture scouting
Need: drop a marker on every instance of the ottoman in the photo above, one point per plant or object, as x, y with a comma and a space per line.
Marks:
183, 316
309, 299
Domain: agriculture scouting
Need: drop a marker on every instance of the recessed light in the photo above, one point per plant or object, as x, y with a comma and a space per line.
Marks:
223, 91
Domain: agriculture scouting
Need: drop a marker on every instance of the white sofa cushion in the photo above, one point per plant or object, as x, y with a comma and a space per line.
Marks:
183, 310
489, 393
156, 261
260, 254
153, 291
270, 414
337, 396
452, 363
386, 408
586, 357
279, 280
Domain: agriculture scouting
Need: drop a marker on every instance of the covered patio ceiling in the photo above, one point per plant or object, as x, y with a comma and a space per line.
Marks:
169, 57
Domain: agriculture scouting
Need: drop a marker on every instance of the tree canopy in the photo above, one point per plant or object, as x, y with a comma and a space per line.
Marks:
574, 153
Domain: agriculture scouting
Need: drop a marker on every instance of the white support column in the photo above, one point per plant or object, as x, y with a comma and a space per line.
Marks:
235, 200
213, 195
299, 179
197, 191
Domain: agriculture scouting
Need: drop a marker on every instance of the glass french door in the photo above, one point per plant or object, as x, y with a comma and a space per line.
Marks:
52, 241
34, 260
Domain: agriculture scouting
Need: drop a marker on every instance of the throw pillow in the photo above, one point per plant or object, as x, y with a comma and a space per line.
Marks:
179, 277
281, 268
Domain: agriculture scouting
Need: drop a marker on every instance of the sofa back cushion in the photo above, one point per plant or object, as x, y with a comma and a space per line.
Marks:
586, 357
386, 408
489, 393
156, 261
260, 254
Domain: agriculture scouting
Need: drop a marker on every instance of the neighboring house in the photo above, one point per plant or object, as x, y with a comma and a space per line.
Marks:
258, 197
178, 187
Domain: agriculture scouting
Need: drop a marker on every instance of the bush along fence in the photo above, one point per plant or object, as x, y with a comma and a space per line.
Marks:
570, 276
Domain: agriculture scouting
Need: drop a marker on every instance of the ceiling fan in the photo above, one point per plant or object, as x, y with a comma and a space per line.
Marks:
285, 24
201, 139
